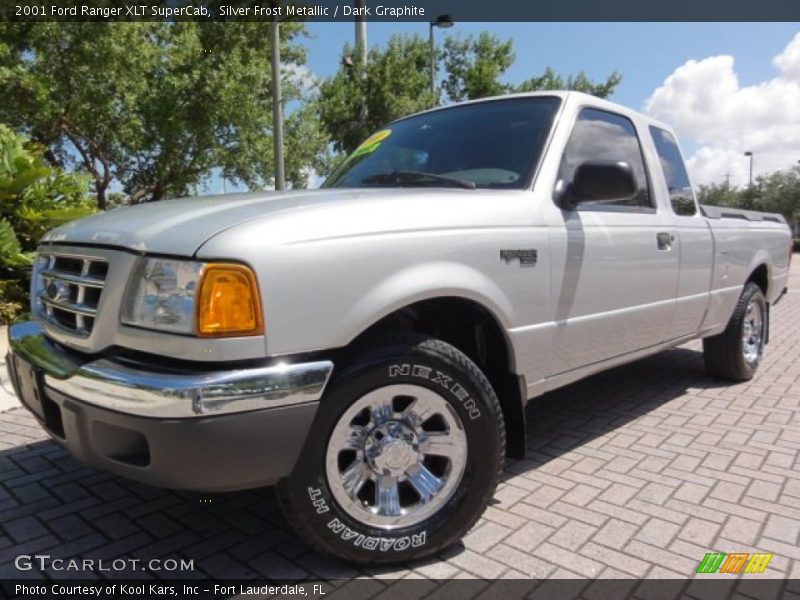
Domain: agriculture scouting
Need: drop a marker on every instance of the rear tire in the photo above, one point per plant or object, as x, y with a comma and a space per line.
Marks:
736, 353
403, 456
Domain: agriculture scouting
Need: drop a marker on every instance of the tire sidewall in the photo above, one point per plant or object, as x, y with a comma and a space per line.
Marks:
752, 293
329, 525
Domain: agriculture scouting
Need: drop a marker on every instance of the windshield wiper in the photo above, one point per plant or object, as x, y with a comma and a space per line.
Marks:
418, 177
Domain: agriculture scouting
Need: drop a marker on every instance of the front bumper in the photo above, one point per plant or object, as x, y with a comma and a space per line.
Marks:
202, 430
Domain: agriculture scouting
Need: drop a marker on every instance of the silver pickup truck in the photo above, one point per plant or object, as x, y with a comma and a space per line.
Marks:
370, 346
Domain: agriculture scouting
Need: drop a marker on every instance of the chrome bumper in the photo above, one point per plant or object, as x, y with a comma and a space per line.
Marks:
109, 384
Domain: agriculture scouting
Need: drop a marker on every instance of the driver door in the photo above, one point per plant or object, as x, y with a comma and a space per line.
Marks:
616, 291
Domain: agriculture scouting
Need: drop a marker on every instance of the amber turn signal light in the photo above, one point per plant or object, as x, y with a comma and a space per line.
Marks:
228, 302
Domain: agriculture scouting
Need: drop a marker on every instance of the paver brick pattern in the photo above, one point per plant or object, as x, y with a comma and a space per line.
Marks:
635, 472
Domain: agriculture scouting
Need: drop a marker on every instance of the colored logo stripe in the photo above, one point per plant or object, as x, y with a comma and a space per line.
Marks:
758, 563
711, 562
733, 563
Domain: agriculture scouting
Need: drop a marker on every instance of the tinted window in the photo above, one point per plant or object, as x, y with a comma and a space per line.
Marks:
493, 144
681, 195
600, 135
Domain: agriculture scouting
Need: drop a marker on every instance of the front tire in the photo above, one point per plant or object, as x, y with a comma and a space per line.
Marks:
736, 353
403, 456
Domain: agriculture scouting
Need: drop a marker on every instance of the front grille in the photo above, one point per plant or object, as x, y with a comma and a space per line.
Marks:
68, 290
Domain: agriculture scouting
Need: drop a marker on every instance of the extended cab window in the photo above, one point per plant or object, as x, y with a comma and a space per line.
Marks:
495, 144
601, 135
681, 195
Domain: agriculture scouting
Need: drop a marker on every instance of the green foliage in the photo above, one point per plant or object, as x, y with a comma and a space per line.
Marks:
360, 99
476, 65
780, 193
719, 194
797, 245
13, 299
34, 198
357, 100
10, 248
473, 66
549, 80
154, 107
301, 158
777, 192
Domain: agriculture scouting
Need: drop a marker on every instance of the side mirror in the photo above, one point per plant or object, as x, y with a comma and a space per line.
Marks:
599, 181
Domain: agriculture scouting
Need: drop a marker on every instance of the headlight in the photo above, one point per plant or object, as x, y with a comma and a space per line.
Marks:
161, 295
190, 297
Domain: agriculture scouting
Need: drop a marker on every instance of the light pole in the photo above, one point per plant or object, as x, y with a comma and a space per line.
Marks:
445, 22
361, 30
750, 154
277, 108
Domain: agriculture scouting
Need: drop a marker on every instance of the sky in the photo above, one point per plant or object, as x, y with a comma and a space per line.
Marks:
717, 84
726, 88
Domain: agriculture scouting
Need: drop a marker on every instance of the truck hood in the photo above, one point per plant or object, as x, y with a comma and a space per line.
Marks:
182, 226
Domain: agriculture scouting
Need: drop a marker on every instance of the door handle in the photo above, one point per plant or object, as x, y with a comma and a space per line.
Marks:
664, 240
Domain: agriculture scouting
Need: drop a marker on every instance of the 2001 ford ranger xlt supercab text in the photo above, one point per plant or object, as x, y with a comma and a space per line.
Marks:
370, 346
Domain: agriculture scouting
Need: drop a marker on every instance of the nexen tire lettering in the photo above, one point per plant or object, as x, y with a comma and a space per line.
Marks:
439, 378
377, 543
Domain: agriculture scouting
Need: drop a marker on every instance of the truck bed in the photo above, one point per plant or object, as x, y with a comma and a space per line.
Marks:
725, 212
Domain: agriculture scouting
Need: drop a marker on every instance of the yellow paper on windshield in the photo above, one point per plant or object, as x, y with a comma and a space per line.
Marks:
372, 142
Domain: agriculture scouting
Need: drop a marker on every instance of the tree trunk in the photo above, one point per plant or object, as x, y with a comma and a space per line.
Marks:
101, 197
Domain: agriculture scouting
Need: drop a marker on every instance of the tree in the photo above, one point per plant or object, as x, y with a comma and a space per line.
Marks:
360, 98
33, 199
304, 158
152, 108
719, 194
550, 80
777, 192
474, 66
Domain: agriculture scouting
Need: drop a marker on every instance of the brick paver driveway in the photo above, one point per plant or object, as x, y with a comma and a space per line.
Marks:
636, 472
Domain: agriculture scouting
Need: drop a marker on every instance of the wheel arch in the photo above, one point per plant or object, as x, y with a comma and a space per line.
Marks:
476, 331
760, 276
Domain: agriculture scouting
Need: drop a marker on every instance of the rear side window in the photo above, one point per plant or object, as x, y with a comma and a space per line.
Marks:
601, 135
681, 195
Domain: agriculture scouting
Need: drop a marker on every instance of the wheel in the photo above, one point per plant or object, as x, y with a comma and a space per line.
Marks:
403, 456
736, 353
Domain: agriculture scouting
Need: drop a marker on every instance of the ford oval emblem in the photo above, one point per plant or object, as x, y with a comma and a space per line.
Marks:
57, 290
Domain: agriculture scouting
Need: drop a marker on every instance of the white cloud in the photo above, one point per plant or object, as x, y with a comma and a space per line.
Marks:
302, 76
704, 101
788, 62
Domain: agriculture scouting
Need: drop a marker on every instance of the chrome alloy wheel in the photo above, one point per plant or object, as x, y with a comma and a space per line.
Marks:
753, 333
396, 456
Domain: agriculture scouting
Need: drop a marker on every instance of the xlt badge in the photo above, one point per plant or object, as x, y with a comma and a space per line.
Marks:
526, 257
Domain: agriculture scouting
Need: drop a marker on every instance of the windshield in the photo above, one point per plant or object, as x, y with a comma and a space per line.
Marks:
493, 144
